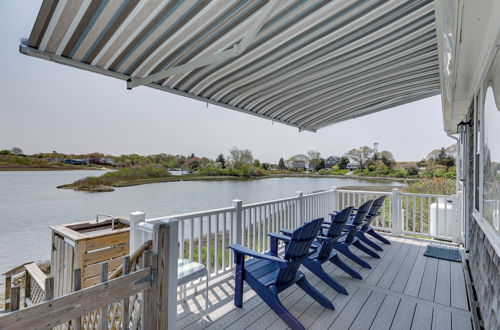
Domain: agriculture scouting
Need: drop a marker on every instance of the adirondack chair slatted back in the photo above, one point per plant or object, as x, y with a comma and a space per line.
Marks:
374, 210
358, 219
334, 231
297, 249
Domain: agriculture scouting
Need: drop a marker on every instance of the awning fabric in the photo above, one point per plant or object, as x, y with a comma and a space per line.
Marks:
311, 63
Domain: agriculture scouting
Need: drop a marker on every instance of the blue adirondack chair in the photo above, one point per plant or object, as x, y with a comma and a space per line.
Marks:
366, 228
350, 229
268, 274
324, 244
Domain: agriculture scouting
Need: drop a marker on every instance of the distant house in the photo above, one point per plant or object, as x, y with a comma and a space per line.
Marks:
297, 164
331, 161
76, 161
107, 161
353, 166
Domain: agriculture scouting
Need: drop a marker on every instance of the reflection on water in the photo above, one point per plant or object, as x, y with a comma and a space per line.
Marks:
30, 203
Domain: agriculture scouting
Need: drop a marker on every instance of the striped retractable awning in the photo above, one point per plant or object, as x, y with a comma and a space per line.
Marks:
305, 63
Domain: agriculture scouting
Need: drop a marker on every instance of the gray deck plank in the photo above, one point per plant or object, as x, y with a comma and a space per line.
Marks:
388, 303
326, 318
395, 265
422, 320
443, 283
404, 315
414, 281
351, 310
460, 321
458, 289
441, 319
378, 271
428, 286
386, 313
369, 311
399, 283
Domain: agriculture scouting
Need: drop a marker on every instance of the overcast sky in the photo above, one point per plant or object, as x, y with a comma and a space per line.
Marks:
46, 106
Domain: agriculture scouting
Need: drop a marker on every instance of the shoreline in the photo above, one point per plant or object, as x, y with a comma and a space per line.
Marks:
190, 177
57, 168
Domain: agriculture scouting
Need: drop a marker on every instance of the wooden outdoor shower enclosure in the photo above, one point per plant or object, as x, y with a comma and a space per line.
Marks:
85, 245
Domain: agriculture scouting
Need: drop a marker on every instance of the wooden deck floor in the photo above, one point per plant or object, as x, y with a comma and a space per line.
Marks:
403, 290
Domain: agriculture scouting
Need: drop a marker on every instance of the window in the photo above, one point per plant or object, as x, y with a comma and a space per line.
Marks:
491, 161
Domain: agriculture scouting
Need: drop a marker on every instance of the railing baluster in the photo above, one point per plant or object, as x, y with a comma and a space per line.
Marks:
216, 243
191, 238
200, 240
209, 235
421, 214
126, 300
224, 237
429, 214
407, 214
181, 240
414, 211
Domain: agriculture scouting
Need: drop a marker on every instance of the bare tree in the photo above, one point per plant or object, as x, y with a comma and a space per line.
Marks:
360, 155
313, 154
17, 151
240, 156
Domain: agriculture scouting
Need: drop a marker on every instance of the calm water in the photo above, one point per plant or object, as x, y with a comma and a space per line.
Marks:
30, 203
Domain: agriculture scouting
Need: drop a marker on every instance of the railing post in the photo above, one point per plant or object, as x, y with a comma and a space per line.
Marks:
335, 199
396, 212
300, 209
15, 298
237, 222
135, 232
166, 247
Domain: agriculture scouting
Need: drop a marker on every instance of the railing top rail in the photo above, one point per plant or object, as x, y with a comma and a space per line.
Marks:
364, 192
318, 193
190, 215
247, 206
426, 195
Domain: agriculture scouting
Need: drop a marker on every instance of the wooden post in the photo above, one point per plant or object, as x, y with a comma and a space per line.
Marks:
49, 288
300, 209
397, 219
77, 286
148, 315
135, 232
166, 247
8, 284
126, 300
238, 226
15, 296
104, 310
27, 287
335, 199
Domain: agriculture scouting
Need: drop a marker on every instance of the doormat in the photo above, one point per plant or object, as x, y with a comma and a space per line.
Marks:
441, 252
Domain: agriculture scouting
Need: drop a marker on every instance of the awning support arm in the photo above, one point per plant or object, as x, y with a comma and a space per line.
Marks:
211, 59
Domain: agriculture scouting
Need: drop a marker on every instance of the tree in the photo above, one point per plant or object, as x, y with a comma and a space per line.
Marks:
239, 157
342, 163
313, 154
281, 164
5, 152
256, 163
360, 155
387, 158
221, 160
17, 151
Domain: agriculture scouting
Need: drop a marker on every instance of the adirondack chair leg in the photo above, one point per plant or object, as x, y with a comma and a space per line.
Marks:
367, 241
274, 246
342, 248
272, 300
366, 250
238, 279
378, 236
310, 290
339, 263
317, 270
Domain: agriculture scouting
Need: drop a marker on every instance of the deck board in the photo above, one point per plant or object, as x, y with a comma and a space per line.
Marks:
402, 290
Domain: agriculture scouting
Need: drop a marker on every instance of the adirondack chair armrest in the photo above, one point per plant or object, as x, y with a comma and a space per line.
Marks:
280, 237
323, 238
246, 251
287, 232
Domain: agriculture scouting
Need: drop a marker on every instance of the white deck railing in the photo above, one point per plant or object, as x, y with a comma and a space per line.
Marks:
205, 236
